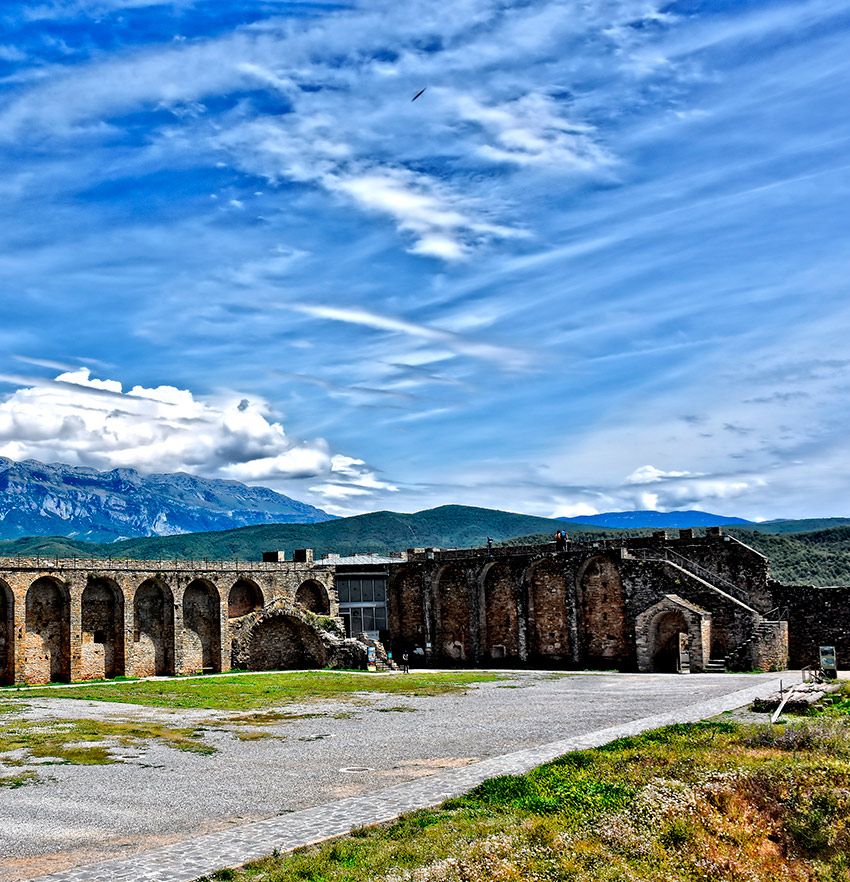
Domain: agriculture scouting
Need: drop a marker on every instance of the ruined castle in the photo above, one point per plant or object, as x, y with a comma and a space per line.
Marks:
660, 603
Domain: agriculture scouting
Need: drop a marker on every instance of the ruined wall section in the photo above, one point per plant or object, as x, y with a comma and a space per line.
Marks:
816, 617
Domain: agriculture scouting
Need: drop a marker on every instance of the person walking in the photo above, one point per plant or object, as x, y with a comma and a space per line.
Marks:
405, 663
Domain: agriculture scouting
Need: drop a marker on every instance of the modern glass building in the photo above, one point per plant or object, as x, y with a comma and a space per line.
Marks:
363, 603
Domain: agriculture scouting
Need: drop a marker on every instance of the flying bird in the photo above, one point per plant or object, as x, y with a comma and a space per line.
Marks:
418, 94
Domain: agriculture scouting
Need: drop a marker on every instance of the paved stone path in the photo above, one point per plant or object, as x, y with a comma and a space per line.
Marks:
190, 859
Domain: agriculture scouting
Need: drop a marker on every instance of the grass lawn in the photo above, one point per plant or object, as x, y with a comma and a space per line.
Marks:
709, 801
88, 742
252, 692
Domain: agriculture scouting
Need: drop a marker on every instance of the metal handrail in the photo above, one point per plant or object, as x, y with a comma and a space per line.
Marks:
714, 579
777, 614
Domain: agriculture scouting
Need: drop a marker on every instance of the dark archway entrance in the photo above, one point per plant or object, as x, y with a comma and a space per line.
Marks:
153, 629
245, 597
313, 597
665, 641
7, 635
284, 642
48, 632
102, 649
201, 627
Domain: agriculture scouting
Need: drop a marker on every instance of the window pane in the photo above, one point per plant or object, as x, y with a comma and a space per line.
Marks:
356, 622
380, 618
342, 589
346, 620
368, 618
355, 590
366, 586
380, 590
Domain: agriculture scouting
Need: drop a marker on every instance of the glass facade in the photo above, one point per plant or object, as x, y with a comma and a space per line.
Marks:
363, 604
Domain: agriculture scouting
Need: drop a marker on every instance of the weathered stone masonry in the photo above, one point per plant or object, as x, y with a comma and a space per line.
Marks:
81, 620
614, 604
630, 604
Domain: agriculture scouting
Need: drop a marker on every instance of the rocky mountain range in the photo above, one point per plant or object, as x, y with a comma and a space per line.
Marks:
61, 500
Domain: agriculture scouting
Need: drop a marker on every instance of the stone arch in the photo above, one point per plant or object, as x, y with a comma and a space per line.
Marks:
47, 649
549, 638
245, 597
284, 642
102, 626
501, 612
153, 629
604, 626
406, 611
7, 635
454, 609
657, 632
313, 597
201, 627
665, 640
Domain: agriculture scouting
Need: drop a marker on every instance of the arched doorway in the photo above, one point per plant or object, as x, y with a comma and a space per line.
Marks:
7, 635
665, 641
405, 614
153, 629
454, 609
245, 597
284, 642
47, 656
201, 627
102, 649
501, 614
313, 597
603, 614
549, 639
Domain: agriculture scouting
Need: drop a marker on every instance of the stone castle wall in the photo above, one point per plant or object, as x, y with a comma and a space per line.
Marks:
581, 607
816, 617
610, 604
82, 620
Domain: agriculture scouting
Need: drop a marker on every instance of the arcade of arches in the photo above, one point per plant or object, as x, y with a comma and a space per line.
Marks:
630, 604
583, 606
92, 624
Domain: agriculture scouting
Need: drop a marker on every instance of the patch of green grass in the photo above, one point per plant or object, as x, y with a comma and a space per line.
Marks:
90, 742
269, 690
11, 707
397, 709
714, 800
20, 779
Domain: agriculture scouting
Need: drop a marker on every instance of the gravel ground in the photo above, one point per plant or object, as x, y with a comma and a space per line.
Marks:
157, 795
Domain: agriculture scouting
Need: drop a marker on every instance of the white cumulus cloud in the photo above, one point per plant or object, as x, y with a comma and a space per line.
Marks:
85, 420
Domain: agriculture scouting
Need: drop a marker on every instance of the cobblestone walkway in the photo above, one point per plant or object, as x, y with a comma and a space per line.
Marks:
187, 860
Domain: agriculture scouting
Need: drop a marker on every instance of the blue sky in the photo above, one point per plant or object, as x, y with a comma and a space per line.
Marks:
601, 263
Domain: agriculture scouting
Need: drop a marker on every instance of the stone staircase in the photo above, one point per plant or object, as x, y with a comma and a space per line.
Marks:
739, 658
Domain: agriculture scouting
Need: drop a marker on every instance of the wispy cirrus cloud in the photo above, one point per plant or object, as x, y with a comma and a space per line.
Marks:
455, 343
597, 218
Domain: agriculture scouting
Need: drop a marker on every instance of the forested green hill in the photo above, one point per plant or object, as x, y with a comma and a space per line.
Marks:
449, 526
821, 557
